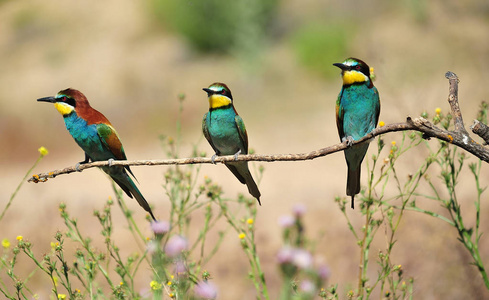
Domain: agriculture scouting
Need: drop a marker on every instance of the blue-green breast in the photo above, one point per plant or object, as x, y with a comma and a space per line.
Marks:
86, 136
361, 107
222, 129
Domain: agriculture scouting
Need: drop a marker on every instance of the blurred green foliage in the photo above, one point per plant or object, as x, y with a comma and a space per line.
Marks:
318, 45
217, 25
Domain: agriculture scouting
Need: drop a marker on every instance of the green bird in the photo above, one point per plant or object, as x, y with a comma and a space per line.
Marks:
97, 137
226, 132
357, 114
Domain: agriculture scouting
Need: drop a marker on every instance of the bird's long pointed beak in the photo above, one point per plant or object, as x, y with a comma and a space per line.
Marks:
208, 91
342, 66
47, 99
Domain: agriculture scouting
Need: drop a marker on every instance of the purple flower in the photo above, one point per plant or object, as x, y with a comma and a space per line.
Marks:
176, 244
151, 247
286, 221
307, 286
206, 290
160, 227
324, 272
285, 255
180, 268
302, 258
299, 210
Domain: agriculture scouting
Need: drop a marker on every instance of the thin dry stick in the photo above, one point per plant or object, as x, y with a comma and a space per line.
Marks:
459, 137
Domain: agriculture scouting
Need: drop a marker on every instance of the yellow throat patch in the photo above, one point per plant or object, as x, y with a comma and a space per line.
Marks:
350, 77
63, 108
216, 101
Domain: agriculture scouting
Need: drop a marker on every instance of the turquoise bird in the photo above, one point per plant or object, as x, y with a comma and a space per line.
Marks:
226, 132
357, 114
97, 137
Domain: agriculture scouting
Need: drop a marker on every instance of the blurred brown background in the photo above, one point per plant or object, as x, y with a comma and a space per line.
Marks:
132, 59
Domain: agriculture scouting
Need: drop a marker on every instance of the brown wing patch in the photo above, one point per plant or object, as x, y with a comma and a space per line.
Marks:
110, 139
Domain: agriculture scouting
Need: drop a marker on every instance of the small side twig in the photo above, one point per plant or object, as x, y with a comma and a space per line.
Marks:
481, 130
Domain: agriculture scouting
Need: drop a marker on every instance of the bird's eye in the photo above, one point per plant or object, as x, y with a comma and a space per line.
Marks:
223, 92
358, 67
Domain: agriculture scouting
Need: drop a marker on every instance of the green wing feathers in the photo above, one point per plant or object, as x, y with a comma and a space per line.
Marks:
242, 132
207, 135
110, 139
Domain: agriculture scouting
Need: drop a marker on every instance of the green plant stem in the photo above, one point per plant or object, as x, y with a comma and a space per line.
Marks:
19, 186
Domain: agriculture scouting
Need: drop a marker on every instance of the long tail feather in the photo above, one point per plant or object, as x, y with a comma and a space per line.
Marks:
243, 174
128, 186
353, 183
252, 187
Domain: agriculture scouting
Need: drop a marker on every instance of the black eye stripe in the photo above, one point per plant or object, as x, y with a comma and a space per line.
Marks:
68, 100
71, 101
363, 69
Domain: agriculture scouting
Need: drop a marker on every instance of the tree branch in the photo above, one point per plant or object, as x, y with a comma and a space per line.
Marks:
459, 137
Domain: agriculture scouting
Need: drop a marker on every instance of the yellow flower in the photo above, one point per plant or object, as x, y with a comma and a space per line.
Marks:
438, 110
249, 221
155, 286
61, 296
43, 152
381, 124
242, 236
169, 283
372, 74
20, 238
5, 243
393, 143
171, 295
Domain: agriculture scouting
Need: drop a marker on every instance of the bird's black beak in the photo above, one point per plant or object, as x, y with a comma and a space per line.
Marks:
47, 99
342, 66
208, 91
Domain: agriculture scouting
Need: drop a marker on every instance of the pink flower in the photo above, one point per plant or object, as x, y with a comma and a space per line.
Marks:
307, 286
160, 227
285, 255
176, 244
180, 268
151, 247
206, 290
299, 210
302, 259
286, 221
324, 272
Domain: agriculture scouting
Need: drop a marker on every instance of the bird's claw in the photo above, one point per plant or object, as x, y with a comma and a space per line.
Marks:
349, 141
236, 154
213, 158
110, 161
77, 167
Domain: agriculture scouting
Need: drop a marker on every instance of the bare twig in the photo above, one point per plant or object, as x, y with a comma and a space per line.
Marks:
453, 101
458, 137
481, 130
